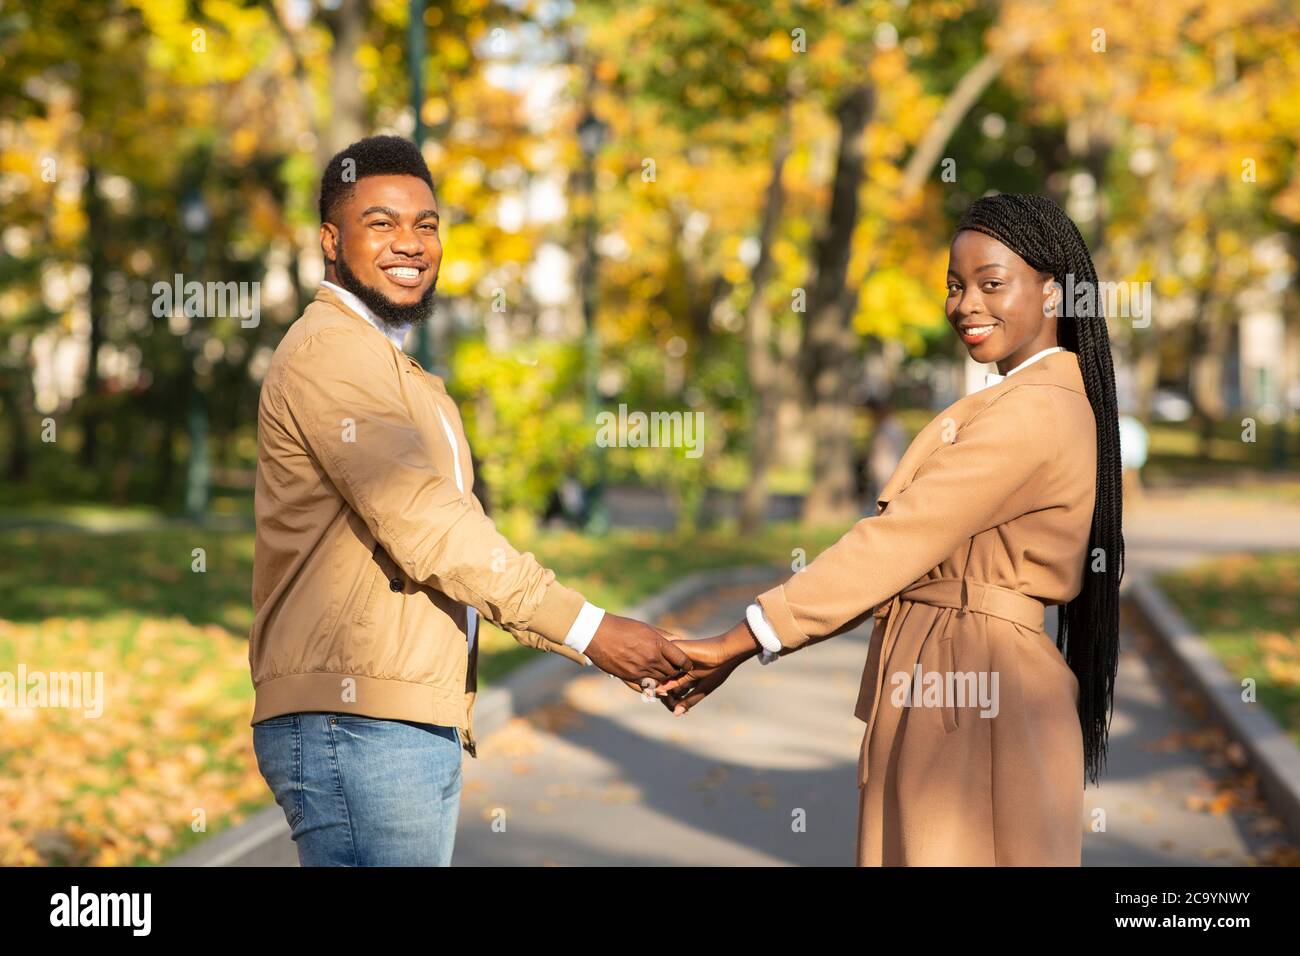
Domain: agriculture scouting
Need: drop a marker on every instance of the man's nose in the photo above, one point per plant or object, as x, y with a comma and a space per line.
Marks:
407, 243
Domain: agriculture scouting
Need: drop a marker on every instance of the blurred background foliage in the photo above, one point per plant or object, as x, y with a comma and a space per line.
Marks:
735, 209
761, 230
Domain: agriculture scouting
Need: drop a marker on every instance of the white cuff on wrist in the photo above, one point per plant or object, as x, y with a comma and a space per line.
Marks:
584, 626
763, 630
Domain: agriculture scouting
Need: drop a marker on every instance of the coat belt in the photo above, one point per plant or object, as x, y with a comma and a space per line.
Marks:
958, 593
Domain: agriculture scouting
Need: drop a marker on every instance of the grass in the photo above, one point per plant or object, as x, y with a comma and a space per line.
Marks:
1232, 467
169, 761
1245, 606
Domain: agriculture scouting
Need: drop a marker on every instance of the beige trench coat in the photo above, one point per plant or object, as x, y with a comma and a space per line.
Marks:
978, 758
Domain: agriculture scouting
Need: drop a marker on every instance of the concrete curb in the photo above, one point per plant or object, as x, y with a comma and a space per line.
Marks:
260, 840
1272, 754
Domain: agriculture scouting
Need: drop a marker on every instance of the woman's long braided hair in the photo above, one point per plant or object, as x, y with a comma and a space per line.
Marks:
1039, 231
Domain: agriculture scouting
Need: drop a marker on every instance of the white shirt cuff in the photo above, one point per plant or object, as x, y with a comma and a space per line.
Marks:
763, 629
583, 628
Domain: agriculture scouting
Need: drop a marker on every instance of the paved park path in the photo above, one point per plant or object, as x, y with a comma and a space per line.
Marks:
602, 778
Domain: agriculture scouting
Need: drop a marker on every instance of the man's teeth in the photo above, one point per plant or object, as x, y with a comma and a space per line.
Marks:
403, 272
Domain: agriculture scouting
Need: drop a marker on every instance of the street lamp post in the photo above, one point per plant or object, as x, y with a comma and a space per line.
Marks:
196, 219
591, 137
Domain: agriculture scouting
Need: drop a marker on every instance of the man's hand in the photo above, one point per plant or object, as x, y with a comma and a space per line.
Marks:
633, 651
714, 659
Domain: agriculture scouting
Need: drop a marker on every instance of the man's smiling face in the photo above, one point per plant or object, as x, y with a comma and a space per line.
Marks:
383, 246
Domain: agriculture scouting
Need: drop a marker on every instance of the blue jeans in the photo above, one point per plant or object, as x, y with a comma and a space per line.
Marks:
361, 791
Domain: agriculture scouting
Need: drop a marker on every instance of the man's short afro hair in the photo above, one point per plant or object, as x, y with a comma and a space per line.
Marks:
373, 156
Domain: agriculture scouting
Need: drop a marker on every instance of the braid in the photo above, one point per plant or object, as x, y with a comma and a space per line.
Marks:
1039, 231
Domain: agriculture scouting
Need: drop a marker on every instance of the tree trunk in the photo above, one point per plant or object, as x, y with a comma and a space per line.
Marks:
928, 149
1147, 377
164, 468
1212, 337
959, 102
307, 116
97, 229
1201, 387
18, 467
1160, 228
827, 344
347, 26
764, 377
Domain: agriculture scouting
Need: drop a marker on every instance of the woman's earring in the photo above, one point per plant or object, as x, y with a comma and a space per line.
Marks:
1053, 289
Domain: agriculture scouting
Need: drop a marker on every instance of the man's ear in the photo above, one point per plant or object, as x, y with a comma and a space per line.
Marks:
329, 241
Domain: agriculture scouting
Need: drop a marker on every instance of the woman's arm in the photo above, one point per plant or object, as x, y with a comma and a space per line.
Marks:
984, 477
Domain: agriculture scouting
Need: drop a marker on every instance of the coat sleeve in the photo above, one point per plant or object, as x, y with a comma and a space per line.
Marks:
352, 419
979, 480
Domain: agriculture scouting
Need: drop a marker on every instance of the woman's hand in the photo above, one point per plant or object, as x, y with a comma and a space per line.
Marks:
715, 658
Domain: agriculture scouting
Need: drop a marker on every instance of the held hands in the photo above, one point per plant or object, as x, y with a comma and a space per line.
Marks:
636, 652
713, 659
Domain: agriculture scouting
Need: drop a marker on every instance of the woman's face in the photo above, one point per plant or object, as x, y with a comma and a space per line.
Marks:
1002, 308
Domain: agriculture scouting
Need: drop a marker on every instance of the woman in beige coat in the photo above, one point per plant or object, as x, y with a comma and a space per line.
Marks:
979, 729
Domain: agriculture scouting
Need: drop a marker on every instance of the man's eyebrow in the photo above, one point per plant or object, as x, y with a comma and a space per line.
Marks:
392, 213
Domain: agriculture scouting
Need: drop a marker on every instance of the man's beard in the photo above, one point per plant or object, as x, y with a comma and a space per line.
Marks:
385, 309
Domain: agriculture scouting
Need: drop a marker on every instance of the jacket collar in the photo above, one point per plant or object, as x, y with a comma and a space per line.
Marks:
329, 297
395, 335
993, 378
1058, 368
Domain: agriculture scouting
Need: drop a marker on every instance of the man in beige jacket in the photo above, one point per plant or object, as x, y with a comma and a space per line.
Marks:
373, 557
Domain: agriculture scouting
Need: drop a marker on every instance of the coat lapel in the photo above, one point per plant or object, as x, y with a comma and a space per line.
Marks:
1060, 368
922, 446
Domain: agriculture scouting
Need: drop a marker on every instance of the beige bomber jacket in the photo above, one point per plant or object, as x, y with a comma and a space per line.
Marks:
366, 553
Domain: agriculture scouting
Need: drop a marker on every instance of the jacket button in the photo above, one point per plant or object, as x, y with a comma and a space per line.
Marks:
395, 584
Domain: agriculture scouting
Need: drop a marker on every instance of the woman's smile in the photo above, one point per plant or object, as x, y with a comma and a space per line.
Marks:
975, 333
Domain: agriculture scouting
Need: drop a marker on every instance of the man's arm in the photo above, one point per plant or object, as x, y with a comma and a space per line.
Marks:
350, 415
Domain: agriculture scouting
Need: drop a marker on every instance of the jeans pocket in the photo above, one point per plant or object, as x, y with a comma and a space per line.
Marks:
277, 744
284, 720
339, 717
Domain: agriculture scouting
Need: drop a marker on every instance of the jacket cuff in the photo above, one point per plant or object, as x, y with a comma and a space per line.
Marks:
536, 642
777, 611
557, 612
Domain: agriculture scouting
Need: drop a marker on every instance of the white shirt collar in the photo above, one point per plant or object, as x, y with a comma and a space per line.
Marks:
992, 378
395, 335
